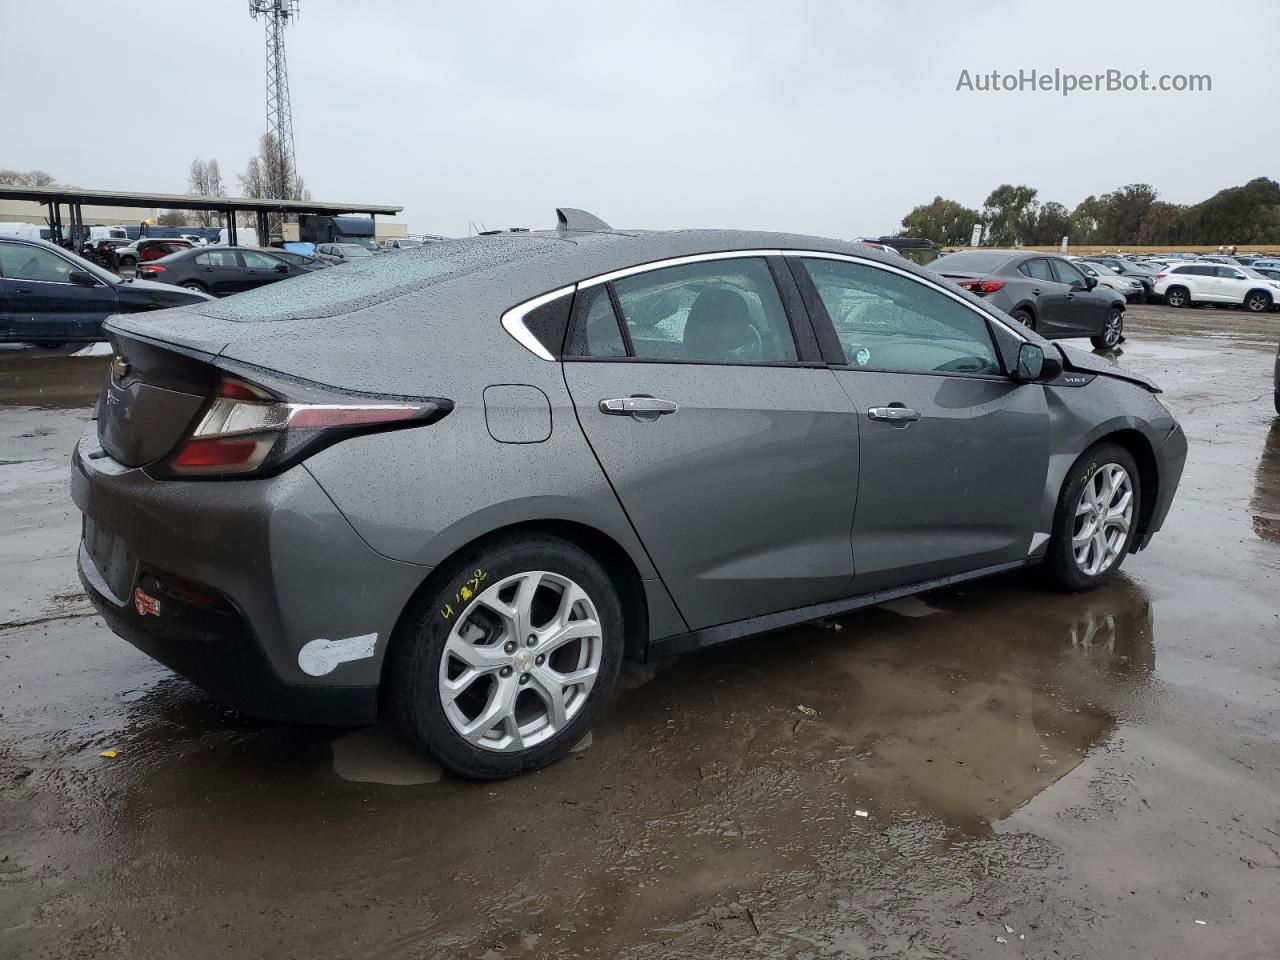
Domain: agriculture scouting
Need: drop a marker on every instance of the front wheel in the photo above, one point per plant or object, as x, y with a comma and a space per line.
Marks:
1112, 331
1258, 301
1177, 297
504, 665
1096, 518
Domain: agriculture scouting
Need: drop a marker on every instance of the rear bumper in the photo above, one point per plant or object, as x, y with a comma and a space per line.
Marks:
280, 567
1171, 456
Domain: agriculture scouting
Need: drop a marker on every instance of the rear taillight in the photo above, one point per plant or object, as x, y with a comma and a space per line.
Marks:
1161, 276
248, 430
152, 268
982, 286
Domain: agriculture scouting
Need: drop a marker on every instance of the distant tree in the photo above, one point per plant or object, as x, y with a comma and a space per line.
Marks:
1122, 211
1085, 219
1164, 225
26, 178
1244, 214
175, 218
1052, 224
205, 180
943, 221
1010, 214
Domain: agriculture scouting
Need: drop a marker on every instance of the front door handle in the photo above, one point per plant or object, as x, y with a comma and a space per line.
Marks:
627, 406
900, 416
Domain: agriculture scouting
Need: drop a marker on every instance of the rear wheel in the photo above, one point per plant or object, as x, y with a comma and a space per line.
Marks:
503, 667
1257, 301
194, 285
1112, 331
1177, 297
1024, 317
1096, 518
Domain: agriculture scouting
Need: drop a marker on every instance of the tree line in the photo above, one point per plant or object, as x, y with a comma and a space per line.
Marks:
1131, 215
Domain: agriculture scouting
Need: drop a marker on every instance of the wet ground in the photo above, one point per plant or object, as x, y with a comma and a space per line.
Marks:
990, 771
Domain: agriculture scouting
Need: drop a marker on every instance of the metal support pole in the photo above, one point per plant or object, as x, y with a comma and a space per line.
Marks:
231, 229
264, 232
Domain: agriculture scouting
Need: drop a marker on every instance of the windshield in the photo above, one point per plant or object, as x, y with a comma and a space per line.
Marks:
1250, 272
106, 276
1141, 268
353, 250
1101, 269
348, 240
408, 244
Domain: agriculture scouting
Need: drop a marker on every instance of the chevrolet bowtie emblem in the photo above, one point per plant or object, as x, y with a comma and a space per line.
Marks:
119, 366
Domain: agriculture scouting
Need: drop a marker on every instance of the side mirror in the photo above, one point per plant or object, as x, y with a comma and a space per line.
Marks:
1090, 282
1034, 366
282, 268
82, 278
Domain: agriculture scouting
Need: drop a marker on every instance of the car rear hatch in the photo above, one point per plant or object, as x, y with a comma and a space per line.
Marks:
152, 397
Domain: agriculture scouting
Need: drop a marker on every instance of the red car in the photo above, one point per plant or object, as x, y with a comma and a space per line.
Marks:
150, 248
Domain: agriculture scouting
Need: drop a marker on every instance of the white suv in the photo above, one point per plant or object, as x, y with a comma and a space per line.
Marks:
1191, 283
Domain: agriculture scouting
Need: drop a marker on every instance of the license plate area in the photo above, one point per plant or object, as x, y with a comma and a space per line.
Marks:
112, 557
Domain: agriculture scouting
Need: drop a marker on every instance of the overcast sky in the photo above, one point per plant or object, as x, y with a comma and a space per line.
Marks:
833, 118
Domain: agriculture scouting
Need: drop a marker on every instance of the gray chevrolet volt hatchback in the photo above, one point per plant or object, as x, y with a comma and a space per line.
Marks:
457, 486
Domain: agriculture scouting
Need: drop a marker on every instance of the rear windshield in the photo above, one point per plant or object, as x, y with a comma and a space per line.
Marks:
964, 262
363, 282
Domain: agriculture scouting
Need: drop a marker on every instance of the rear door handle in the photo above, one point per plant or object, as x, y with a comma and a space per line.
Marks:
1036, 292
626, 406
896, 415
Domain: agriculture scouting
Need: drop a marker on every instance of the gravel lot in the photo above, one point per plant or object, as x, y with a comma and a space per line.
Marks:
1086, 776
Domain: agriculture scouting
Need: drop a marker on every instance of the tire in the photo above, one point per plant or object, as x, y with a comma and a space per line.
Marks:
1276, 396
1112, 331
1024, 317
1177, 297
1092, 471
1257, 301
195, 285
453, 614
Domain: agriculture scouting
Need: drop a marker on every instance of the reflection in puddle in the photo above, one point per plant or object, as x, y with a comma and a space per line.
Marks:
378, 755
1266, 492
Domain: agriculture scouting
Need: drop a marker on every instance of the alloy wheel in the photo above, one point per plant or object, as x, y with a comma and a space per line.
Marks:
1104, 513
1257, 302
520, 661
1111, 333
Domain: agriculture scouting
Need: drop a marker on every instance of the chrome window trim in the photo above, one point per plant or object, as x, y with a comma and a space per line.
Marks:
513, 321
674, 262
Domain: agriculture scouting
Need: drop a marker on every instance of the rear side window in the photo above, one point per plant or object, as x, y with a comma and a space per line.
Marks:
596, 333
887, 321
258, 261
217, 258
1037, 270
713, 311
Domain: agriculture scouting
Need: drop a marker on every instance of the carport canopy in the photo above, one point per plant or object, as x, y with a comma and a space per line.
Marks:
75, 197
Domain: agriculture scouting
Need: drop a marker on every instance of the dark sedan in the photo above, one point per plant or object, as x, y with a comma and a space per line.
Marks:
1041, 291
1144, 274
226, 270
49, 295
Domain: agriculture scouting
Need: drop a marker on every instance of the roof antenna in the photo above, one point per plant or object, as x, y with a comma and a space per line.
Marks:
568, 218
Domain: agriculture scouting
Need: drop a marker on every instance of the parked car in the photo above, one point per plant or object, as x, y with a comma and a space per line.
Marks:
1127, 287
226, 270
1144, 274
1271, 273
50, 296
1044, 292
400, 243
1265, 262
1210, 282
496, 468
341, 252
149, 248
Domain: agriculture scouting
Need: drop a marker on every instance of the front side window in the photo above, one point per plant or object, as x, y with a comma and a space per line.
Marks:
1065, 272
713, 311
258, 261
21, 262
887, 321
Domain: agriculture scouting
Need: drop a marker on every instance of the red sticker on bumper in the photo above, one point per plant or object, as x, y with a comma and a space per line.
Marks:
144, 603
